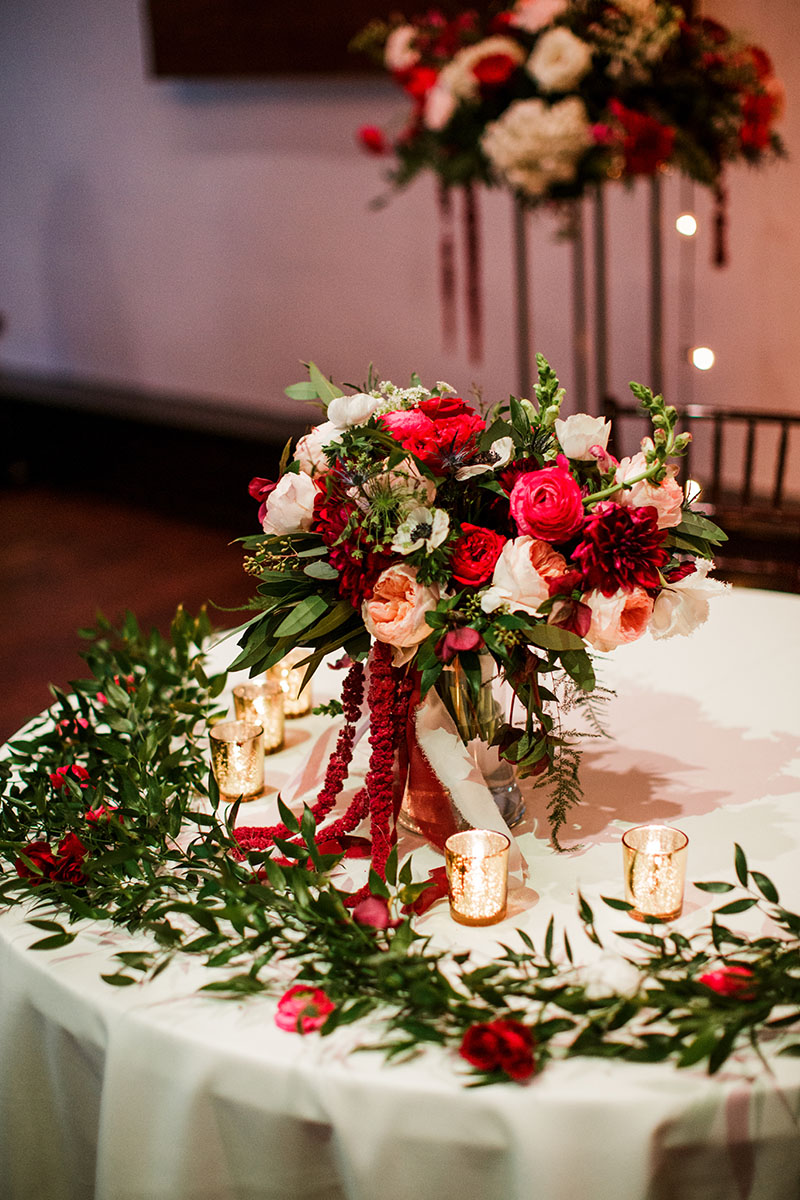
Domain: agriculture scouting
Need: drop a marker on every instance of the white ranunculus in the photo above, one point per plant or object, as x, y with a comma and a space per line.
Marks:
398, 53
352, 410
422, 527
535, 144
290, 507
681, 607
440, 104
579, 432
533, 15
309, 452
498, 455
559, 60
459, 77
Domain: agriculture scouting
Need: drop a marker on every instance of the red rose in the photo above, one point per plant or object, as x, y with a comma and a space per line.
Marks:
735, 982
41, 856
418, 81
374, 911
438, 429
547, 504
373, 139
500, 1046
59, 776
475, 554
71, 853
621, 548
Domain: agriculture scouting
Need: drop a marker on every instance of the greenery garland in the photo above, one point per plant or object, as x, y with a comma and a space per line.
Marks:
116, 774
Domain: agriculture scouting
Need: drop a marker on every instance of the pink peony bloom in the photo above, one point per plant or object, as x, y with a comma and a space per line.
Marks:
617, 619
303, 1009
666, 498
395, 614
547, 504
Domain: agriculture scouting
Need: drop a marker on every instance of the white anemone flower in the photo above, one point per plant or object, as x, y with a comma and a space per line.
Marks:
422, 527
498, 455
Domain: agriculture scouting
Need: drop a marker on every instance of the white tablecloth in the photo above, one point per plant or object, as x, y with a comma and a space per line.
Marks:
153, 1093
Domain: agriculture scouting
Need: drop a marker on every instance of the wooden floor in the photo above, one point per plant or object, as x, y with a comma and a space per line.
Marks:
64, 556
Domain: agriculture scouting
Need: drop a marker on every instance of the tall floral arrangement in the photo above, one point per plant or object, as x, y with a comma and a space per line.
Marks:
409, 527
551, 96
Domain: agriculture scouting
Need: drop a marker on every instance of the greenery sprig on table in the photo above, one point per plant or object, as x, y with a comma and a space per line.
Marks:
158, 858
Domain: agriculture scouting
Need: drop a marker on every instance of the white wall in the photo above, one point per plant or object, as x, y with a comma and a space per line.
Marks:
204, 238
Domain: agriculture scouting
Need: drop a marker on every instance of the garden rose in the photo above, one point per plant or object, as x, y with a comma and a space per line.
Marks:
521, 575
462, 76
547, 503
683, 605
738, 983
579, 433
475, 554
303, 1009
309, 450
666, 498
501, 1045
395, 614
59, 777
42, 856
559, 60
621, 548
290, 506
62, 867
439, 428
646, 143
344, 411
617, 619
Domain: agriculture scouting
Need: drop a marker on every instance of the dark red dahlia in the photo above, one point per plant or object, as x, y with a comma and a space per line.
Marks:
354, 556
621, 548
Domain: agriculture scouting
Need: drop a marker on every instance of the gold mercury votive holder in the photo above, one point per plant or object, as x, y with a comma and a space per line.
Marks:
261, 704
237, 759
286, 673
654, 861
477, 876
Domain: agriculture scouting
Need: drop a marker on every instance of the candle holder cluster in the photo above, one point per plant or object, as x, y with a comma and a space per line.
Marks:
238, 747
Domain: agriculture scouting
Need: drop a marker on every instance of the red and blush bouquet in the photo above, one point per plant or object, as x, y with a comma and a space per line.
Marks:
411, 528
551, 96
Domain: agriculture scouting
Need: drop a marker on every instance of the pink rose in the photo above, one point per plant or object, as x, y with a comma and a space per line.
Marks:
547, 503
290, 506
374, 911
396, 611
666, 498
59, 777
303, 1009
521, 575
617, 619
737, 983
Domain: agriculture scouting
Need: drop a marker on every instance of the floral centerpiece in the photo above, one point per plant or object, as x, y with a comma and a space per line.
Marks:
443, 544
551, 96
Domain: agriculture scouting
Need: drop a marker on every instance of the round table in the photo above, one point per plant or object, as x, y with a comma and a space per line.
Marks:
156, 1093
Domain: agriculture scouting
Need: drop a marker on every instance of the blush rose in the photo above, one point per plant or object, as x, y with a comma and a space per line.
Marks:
617, 619
547, 503
395, 613
290, 506
521, 575
666, 498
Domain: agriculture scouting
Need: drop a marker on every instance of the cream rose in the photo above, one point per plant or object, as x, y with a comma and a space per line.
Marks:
521, 574
579, 433
533, 15
352, 410
617, 619
559, 60
666, 498
681, 607
396, 612
290, 507
535, 144
309, 450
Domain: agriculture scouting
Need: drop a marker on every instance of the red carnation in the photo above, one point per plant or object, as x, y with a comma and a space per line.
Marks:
737, 983
475, 554
647, 143
547, 504
505, 1046
621, 549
